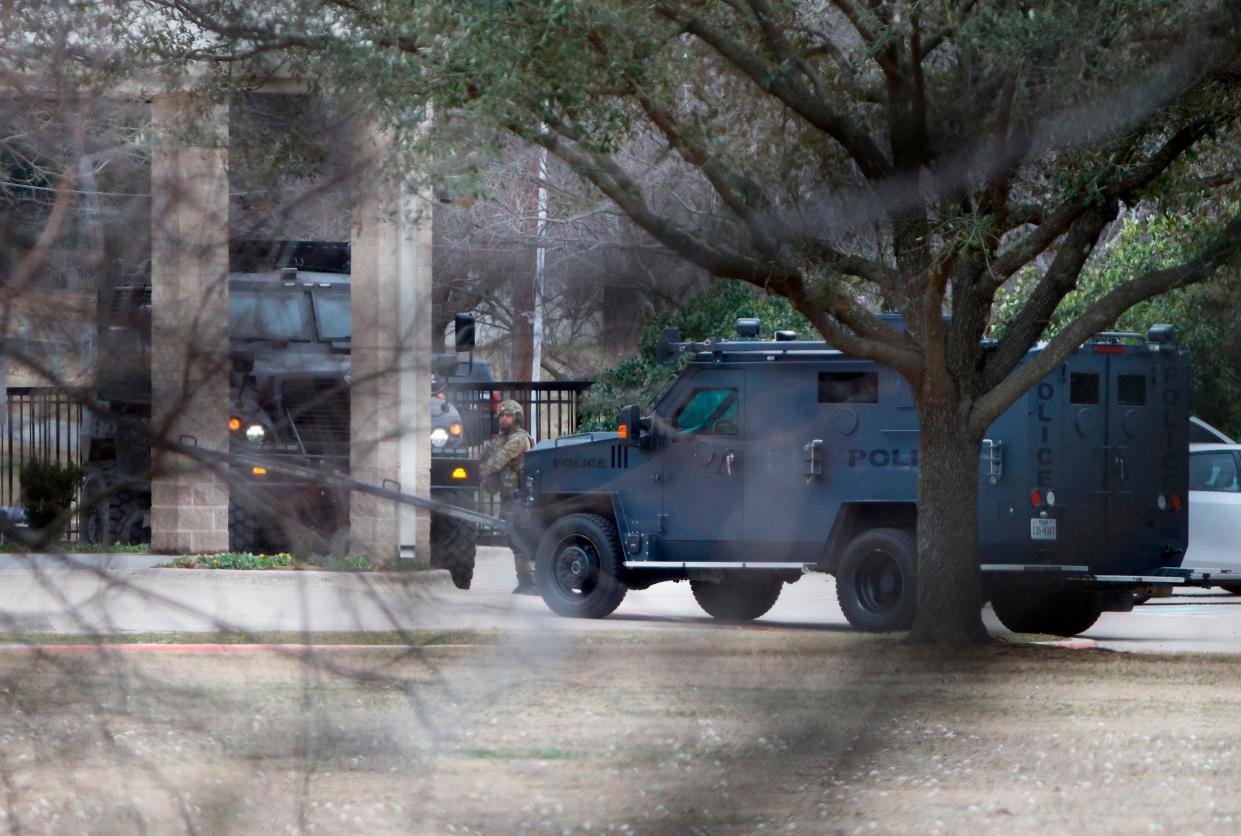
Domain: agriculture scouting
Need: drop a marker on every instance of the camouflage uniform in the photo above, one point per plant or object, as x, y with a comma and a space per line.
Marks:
500, 468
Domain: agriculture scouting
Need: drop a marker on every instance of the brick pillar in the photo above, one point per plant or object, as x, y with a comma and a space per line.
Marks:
189, 320
390, 410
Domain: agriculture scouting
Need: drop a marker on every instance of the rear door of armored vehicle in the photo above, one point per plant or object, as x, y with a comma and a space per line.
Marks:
1105, 438
1149, 451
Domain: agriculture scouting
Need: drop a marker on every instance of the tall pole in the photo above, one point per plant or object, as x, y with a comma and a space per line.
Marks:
540, 262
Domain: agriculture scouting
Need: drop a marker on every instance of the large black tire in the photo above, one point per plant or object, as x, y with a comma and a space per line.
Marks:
1231, 588
740, 596
453, 548
876, 580
1052, 609
119, 519
244, 533
578, 566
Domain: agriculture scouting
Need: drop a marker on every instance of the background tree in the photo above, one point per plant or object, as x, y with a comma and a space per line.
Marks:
603, 275
916, 153
1207, 316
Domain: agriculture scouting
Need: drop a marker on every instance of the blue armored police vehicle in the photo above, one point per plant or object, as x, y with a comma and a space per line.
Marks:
766, 459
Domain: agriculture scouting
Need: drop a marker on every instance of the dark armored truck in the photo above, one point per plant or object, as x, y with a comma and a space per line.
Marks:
766, 459
290, 325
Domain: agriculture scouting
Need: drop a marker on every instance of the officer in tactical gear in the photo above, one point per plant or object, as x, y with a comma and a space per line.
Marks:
500, 468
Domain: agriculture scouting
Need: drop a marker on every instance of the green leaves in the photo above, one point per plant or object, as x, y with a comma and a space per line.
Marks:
714, 313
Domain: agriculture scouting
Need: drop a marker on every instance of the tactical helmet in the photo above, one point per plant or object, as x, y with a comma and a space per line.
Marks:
511, 408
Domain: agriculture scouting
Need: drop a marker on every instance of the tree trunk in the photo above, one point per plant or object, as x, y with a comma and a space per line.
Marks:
949, 584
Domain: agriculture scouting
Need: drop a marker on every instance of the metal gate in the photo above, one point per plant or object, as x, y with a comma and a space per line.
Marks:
37, 423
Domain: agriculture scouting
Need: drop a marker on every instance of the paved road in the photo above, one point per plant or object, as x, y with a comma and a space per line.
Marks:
121, 593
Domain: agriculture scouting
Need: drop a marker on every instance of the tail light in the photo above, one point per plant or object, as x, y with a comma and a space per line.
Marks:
1036, 497
1177, 502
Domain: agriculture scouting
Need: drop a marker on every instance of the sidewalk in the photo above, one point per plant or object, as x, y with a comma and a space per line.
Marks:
121, 593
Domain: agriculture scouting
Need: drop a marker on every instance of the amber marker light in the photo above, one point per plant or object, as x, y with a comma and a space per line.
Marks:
622, 431
459, 473
258, 471
454, 429
234, 424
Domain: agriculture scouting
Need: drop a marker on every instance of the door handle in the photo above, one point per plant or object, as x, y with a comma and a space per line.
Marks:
729, 458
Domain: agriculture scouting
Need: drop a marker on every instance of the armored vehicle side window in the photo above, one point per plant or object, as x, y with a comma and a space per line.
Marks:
848, 387
1131, 390
1083, 388
709, 411
334, 315
1213, 471
269, 316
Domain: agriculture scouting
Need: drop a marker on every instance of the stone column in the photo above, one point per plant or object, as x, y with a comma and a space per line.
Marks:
390, 410
415, 380
189, 320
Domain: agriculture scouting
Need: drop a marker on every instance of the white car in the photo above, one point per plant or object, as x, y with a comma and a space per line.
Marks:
1215, 509
1200, 432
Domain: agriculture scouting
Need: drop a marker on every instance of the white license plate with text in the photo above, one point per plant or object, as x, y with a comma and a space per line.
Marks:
1042, 528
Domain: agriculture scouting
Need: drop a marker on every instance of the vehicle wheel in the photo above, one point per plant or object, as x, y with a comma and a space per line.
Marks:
1231, 588
1056, 610
578, 566
243, 530
1139, 600
740, 596
876, 580
453, 548
119, 519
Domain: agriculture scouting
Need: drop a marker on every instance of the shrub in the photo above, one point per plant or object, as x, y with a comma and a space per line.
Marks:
48, 490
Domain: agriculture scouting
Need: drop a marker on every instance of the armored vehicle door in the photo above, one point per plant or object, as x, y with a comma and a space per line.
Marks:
1129, 440
788, 515
1147, 432
1122, 445
700, 430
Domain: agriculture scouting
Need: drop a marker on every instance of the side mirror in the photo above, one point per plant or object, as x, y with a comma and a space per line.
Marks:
444, 366
668, 346
629, 425
463, 325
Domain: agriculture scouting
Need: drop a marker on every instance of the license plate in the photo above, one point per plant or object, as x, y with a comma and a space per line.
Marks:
1042, 529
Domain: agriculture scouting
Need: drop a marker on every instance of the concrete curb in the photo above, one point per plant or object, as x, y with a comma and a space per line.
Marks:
430, 578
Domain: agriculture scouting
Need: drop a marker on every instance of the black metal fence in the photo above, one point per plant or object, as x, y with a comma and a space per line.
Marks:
37, 424
551, 408
45, 424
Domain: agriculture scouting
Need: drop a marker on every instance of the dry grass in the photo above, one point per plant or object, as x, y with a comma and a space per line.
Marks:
732, 732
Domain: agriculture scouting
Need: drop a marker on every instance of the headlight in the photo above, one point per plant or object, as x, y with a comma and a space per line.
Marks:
439, 437
255, 433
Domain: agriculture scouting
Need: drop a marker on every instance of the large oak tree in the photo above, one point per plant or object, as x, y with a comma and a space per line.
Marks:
909, 155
